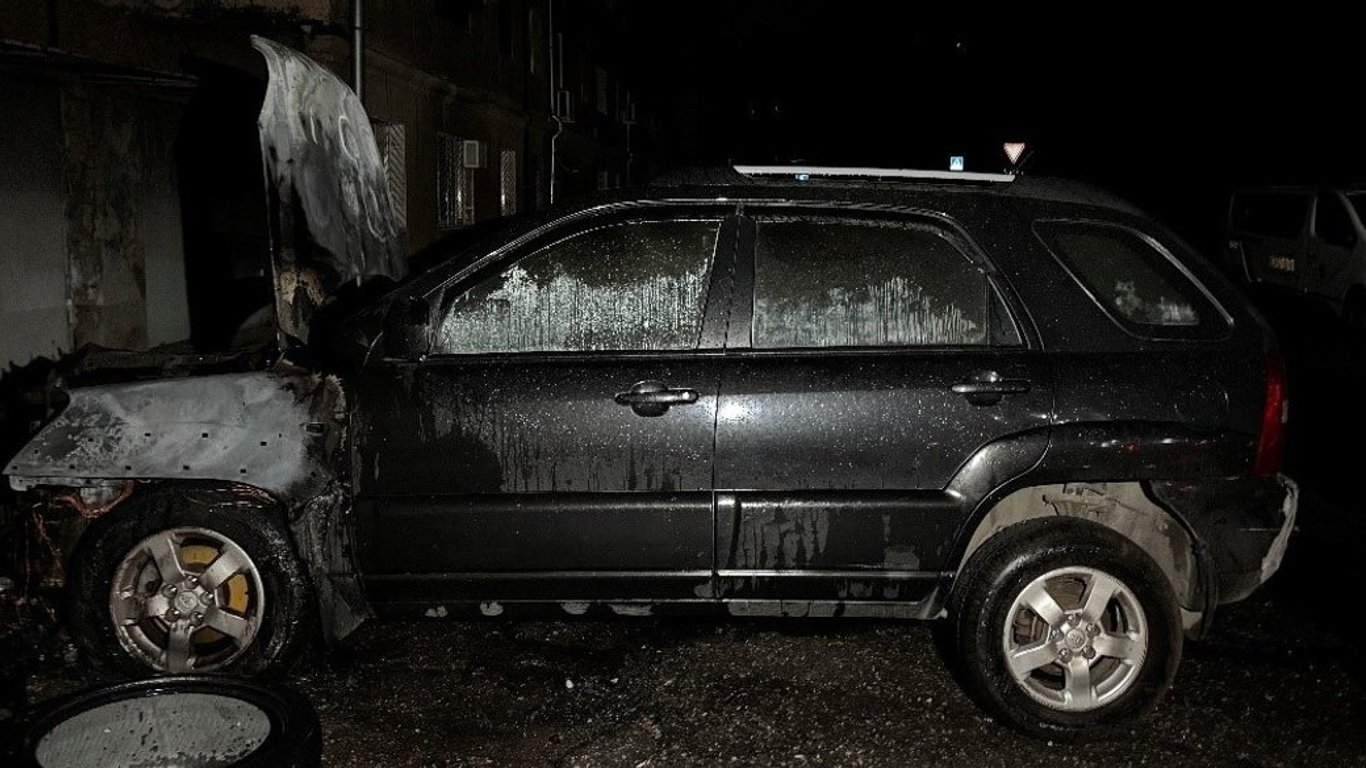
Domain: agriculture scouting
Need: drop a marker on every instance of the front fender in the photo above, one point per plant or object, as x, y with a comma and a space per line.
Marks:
279, 432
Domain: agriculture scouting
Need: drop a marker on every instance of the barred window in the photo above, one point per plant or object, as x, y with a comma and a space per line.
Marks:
602, 89
454, 200
507, 182
393, 151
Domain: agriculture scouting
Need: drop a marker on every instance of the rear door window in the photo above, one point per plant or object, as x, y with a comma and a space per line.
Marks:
820, 283
1133, 279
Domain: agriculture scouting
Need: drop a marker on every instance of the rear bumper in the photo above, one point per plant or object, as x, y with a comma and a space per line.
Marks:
1242, 527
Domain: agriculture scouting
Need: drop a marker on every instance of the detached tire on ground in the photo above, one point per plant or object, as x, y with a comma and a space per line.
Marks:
1063, 629
189, 579
168, 721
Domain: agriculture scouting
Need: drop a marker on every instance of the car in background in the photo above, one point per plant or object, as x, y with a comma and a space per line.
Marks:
1306, 240
1017, 406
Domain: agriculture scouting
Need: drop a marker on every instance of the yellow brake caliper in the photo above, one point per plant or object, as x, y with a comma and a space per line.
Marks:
200, 555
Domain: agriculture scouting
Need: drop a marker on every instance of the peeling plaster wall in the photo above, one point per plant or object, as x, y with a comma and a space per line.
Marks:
92, 250
168, 313
32, 225
107, 280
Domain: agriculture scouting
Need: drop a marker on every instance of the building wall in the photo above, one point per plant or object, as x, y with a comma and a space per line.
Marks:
102, 170
125, 259
33, 319
468, 71
92, 251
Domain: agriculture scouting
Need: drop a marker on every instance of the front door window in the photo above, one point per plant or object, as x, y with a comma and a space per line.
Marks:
635, 286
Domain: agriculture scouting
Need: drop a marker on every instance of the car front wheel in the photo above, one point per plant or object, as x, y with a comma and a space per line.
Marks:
188, 580
1063, 628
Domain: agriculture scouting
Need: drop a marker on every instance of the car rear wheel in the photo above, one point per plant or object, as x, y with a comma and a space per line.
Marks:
188, 580
1063, 628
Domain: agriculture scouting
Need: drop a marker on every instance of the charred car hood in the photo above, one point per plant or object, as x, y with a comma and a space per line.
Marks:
331, 217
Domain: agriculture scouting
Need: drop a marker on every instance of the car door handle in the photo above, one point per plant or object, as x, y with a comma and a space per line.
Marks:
988, 387
653, 398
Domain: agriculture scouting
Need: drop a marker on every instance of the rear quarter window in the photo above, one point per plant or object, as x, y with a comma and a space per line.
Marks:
1134, 280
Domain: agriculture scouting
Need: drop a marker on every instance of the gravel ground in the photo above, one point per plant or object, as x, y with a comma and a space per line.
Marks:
1279, 683
1271, 687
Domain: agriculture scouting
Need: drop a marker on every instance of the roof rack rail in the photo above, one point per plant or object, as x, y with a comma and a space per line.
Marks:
807, 172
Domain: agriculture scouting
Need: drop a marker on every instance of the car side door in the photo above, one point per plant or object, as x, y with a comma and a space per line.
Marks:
1269, 229
557, 442
1331, 255
869, 359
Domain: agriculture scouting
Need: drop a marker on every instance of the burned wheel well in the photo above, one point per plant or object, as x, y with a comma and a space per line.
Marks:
93, 500
316, 528
66, 512
216, 553
1123, 507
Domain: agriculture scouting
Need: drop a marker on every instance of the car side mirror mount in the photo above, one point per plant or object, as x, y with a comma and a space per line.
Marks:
407, 323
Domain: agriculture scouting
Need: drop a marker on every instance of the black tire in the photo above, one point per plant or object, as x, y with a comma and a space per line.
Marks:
261, 726
257, 527
1000, 571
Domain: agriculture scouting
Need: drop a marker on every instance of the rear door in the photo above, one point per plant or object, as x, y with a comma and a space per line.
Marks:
1269, 228
869, 358
1330, 257
557, 443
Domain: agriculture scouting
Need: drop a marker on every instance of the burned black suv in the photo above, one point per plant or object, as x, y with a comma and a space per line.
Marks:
1014, 405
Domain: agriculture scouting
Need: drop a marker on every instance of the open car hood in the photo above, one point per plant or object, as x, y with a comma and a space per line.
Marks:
331, 218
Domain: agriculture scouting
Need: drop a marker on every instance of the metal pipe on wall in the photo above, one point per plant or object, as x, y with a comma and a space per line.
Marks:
556, 68
358, 49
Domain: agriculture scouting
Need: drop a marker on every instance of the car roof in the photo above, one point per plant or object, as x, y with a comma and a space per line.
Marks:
704, 182
951, 192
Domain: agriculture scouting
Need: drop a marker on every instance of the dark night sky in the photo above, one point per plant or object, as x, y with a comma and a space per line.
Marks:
1167, 110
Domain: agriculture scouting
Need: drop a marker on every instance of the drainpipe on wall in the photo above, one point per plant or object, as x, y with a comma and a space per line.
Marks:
358, 49
555, 73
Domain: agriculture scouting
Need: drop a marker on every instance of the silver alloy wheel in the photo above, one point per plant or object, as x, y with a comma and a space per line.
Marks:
186, 600
1075, 639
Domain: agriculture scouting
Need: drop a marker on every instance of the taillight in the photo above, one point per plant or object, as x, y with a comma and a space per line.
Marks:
1271, 445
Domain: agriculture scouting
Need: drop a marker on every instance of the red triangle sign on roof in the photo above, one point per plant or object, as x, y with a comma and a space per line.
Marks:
1013, 150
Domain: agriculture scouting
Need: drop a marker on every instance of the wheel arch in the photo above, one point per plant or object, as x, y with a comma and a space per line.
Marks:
315, 531
1123, 507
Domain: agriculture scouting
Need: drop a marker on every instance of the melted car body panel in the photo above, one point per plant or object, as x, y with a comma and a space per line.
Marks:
331, 216
273, 431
